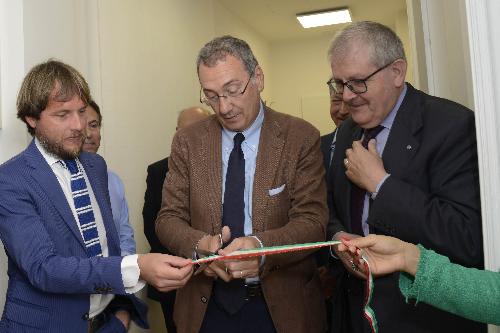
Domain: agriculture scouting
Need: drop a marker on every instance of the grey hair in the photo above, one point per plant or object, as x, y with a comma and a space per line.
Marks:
385, 46
218, 48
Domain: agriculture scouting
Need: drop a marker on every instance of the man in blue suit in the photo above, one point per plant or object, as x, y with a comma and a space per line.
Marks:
65, 269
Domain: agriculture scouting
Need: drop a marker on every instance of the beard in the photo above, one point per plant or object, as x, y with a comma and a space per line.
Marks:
57, 148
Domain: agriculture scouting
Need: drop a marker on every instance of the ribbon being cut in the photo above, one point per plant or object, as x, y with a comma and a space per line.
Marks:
265, 251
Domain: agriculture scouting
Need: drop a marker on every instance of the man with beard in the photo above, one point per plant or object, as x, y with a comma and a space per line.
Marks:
65, 269
405, 165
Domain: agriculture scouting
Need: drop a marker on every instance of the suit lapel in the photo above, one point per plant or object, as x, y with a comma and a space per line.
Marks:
43, 175
212, 162
271, 145
347, 133
402, 143
356, 134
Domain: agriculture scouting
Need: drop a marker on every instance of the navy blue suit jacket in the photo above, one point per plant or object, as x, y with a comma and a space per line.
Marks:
431, 198
50, 274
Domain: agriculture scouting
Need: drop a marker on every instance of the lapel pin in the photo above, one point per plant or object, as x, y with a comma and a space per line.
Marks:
408, 147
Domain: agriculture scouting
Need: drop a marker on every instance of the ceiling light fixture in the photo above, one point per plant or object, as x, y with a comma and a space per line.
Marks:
324, 17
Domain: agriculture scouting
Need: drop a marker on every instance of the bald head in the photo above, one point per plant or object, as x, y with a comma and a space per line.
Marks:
190, 116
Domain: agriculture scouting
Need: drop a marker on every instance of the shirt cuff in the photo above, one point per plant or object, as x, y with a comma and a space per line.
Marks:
263, 258
373, 195
332, 253
130, 274
262, 261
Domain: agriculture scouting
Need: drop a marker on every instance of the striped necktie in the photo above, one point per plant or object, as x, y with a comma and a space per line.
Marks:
84, 211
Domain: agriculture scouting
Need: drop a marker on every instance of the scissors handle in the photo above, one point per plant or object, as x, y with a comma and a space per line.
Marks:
204, 253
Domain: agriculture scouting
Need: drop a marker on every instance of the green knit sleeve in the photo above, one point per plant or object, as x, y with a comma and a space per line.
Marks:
467, 292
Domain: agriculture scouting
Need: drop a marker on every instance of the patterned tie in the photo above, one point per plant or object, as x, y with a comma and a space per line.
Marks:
86, 219
358, 194
230, 296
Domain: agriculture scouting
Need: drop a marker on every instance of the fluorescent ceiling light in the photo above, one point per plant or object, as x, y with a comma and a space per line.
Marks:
324, 17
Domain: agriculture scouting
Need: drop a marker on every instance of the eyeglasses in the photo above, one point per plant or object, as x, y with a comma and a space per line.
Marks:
357, 86
212, 99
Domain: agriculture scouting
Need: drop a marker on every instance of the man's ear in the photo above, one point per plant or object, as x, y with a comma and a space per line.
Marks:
259, 78
398, 69
31, 121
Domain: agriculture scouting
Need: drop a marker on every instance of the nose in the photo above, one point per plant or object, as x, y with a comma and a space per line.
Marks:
343, 110
347, 94
224, 105
78, 121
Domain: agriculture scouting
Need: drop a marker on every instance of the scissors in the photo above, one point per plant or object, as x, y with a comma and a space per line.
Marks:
204, 253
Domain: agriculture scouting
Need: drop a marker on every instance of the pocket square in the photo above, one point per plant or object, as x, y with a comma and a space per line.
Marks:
277, 190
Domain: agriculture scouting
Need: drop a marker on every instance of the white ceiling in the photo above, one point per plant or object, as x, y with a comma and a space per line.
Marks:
275, 19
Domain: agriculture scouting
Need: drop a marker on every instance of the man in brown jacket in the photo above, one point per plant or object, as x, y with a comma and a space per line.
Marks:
245, 177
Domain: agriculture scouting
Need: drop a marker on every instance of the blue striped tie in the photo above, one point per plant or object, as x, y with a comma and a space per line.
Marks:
83, 206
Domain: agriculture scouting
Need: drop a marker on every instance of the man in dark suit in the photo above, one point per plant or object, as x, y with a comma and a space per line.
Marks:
413, 175
245, 177
329, 269
328, 141
152, 203
65, 269
338, 114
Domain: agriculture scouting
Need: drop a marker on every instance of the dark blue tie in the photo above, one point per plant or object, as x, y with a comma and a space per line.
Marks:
358, 194
84, 211
231, 296
233, 211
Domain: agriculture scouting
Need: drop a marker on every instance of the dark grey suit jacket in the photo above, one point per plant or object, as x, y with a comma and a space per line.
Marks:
431, 198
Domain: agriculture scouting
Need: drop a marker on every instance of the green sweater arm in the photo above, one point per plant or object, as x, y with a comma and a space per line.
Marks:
467, 292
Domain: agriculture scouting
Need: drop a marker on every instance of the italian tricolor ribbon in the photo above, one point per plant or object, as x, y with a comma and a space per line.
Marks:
270, 250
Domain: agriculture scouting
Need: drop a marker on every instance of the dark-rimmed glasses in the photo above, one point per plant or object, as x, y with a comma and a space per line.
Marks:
212, 99
357, 86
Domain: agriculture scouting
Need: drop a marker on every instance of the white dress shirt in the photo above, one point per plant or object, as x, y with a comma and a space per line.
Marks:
129, 267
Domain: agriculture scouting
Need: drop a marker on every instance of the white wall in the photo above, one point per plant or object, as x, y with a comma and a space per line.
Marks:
298, 75
447, 50
485, 64
13, 137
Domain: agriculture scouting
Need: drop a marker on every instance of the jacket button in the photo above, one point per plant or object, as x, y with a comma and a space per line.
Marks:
203, 299
85, 316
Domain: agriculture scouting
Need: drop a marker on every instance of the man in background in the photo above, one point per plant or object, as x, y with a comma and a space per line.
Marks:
152, 203
115, 185
329, 269
338, 114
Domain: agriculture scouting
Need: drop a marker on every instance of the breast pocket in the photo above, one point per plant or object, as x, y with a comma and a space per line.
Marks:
278, 205
277, 190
